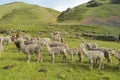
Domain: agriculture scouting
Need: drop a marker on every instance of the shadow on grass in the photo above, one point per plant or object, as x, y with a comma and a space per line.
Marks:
111, 68
19, 59
76, 65
80, 65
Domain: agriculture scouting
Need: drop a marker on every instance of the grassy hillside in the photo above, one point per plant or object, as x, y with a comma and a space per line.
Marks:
19, 13
32, 18
22, 16
106, 14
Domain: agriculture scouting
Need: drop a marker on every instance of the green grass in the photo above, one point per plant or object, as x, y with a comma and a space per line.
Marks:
21, 16
22, 13
58, 71
106, 14
104, 11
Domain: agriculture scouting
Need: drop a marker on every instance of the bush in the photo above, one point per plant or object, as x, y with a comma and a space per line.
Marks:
115, 1
93, 3
106, 37
103, 37
119, 37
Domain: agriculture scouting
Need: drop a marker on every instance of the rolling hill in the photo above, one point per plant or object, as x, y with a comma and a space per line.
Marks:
95, 12
33, 18
19, 13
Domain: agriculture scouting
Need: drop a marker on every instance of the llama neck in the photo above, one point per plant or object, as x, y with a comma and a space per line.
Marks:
116, 54
85, 52
48, 47
22, 45
0, 42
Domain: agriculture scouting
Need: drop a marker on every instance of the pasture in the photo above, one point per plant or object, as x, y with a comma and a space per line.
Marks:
13, 64
36, 19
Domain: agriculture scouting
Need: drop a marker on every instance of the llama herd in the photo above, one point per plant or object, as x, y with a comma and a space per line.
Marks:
57, 45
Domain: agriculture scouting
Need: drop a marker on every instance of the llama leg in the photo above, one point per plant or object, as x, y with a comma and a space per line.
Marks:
28, 58
107, 56
101, 65
53, 58
39, 57
108, 61
91, 64
64, 56
96, 60
80, 57
119, 65
72, 58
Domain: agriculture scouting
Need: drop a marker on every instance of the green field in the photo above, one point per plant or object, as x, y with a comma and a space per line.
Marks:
34, 19
59, 70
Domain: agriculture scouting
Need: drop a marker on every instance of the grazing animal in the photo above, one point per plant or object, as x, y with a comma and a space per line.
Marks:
1, 39
55, 43
31, 48
106, 52
26, 36
44, 40
56, 50
7, 40
93, 55
91, 46
17, 43
1, 46
117, 56
57, 37
75, 51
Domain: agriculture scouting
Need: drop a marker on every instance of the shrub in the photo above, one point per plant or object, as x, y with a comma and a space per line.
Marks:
103, 37
115, 1
119, 37
93, 3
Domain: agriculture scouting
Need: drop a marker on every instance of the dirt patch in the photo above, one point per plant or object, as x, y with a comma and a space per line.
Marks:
112, 21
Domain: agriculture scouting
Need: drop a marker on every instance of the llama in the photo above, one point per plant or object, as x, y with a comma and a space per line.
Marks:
55, 43
26, 36
57, 37
106, 52
1, 46
93, 55
44, 40
56, 50
7, 40
117, 56
29, 49
75, 51
91, 46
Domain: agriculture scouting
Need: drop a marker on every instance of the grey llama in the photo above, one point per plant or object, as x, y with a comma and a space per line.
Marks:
29, 49
93, 55
56, 50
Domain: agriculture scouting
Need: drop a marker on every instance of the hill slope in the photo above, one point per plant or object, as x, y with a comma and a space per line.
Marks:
105, 14
22, 13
